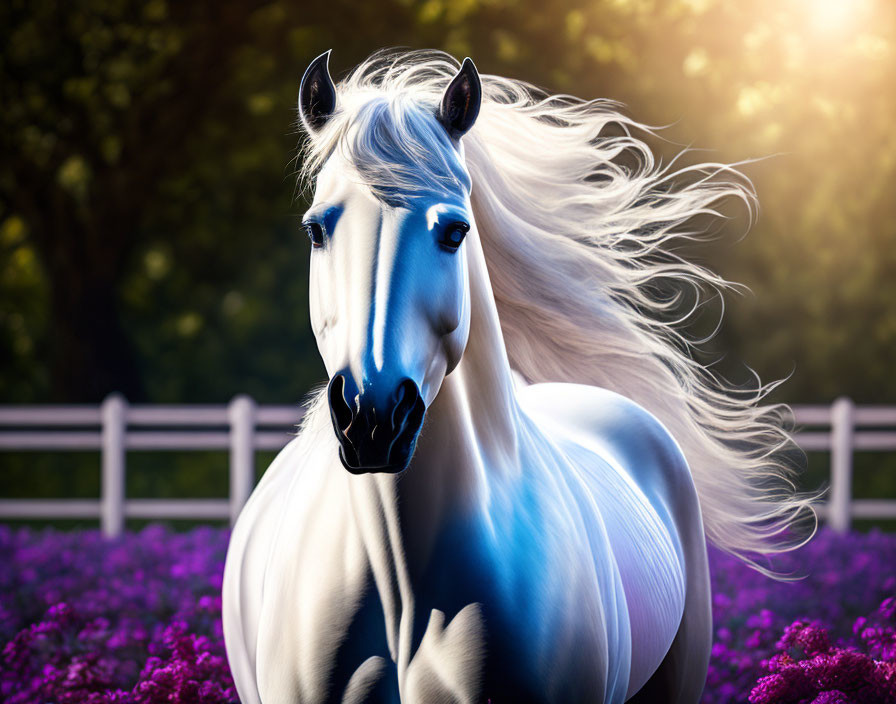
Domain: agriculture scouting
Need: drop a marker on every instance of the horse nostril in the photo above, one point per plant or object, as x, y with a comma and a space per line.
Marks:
339, 408
407, 417
406, 397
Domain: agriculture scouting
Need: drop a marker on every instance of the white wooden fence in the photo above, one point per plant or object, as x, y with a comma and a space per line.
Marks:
843, 429
242, 427
113, 428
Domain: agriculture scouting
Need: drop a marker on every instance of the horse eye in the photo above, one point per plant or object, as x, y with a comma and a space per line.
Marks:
315, 233
454, 234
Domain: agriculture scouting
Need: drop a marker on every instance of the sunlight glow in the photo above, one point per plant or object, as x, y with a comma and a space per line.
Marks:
829, 16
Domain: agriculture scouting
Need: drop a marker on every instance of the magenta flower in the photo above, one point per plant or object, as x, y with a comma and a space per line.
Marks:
138, 621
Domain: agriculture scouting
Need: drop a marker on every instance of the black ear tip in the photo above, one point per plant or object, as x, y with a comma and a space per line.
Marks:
314, 68
321, 59
468, 68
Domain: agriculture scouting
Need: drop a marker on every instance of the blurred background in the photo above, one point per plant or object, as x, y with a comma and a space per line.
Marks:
149, 218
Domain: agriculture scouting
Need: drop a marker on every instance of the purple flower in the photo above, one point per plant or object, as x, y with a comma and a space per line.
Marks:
138, 621
774, 638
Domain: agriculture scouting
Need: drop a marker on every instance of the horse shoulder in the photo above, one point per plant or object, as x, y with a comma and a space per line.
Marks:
619, 430
245, 568
637, 475
281, 621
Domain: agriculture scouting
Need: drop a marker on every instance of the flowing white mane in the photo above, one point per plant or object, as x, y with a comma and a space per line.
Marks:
576, 219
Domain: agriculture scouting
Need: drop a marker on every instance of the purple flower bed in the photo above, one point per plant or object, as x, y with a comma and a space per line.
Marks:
828, 638
138, 620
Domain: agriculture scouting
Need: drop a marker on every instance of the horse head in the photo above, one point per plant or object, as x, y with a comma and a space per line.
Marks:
389, 283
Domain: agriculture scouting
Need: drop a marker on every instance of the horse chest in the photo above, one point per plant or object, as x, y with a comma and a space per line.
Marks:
341, 638
344, 615
343, 630
492, 626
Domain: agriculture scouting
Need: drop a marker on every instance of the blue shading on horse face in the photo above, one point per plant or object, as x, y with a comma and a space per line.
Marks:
389, 308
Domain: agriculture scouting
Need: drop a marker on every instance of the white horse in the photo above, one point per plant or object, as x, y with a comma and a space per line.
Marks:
505, 490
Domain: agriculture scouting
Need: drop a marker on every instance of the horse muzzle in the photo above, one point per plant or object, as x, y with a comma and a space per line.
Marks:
375, 437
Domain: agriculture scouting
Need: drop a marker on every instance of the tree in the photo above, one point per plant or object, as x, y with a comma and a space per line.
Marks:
100, 103
148, 237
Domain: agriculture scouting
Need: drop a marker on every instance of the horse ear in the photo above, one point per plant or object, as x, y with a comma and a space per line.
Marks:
460, 103
317, 94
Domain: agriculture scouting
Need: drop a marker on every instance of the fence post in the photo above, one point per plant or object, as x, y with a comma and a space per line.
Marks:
241, 413
842, 429
114, 415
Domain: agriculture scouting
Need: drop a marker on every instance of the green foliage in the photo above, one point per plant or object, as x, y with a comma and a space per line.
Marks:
148, 210
148, 146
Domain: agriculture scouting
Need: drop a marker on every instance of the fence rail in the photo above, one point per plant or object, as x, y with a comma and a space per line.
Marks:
242, 427
113, 428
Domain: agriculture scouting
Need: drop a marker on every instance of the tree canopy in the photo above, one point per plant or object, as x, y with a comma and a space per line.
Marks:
149, 238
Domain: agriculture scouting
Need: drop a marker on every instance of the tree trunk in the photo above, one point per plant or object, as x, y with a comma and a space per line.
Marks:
92, 355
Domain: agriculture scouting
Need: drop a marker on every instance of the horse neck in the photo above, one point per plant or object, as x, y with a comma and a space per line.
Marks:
469, 437
471, 428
